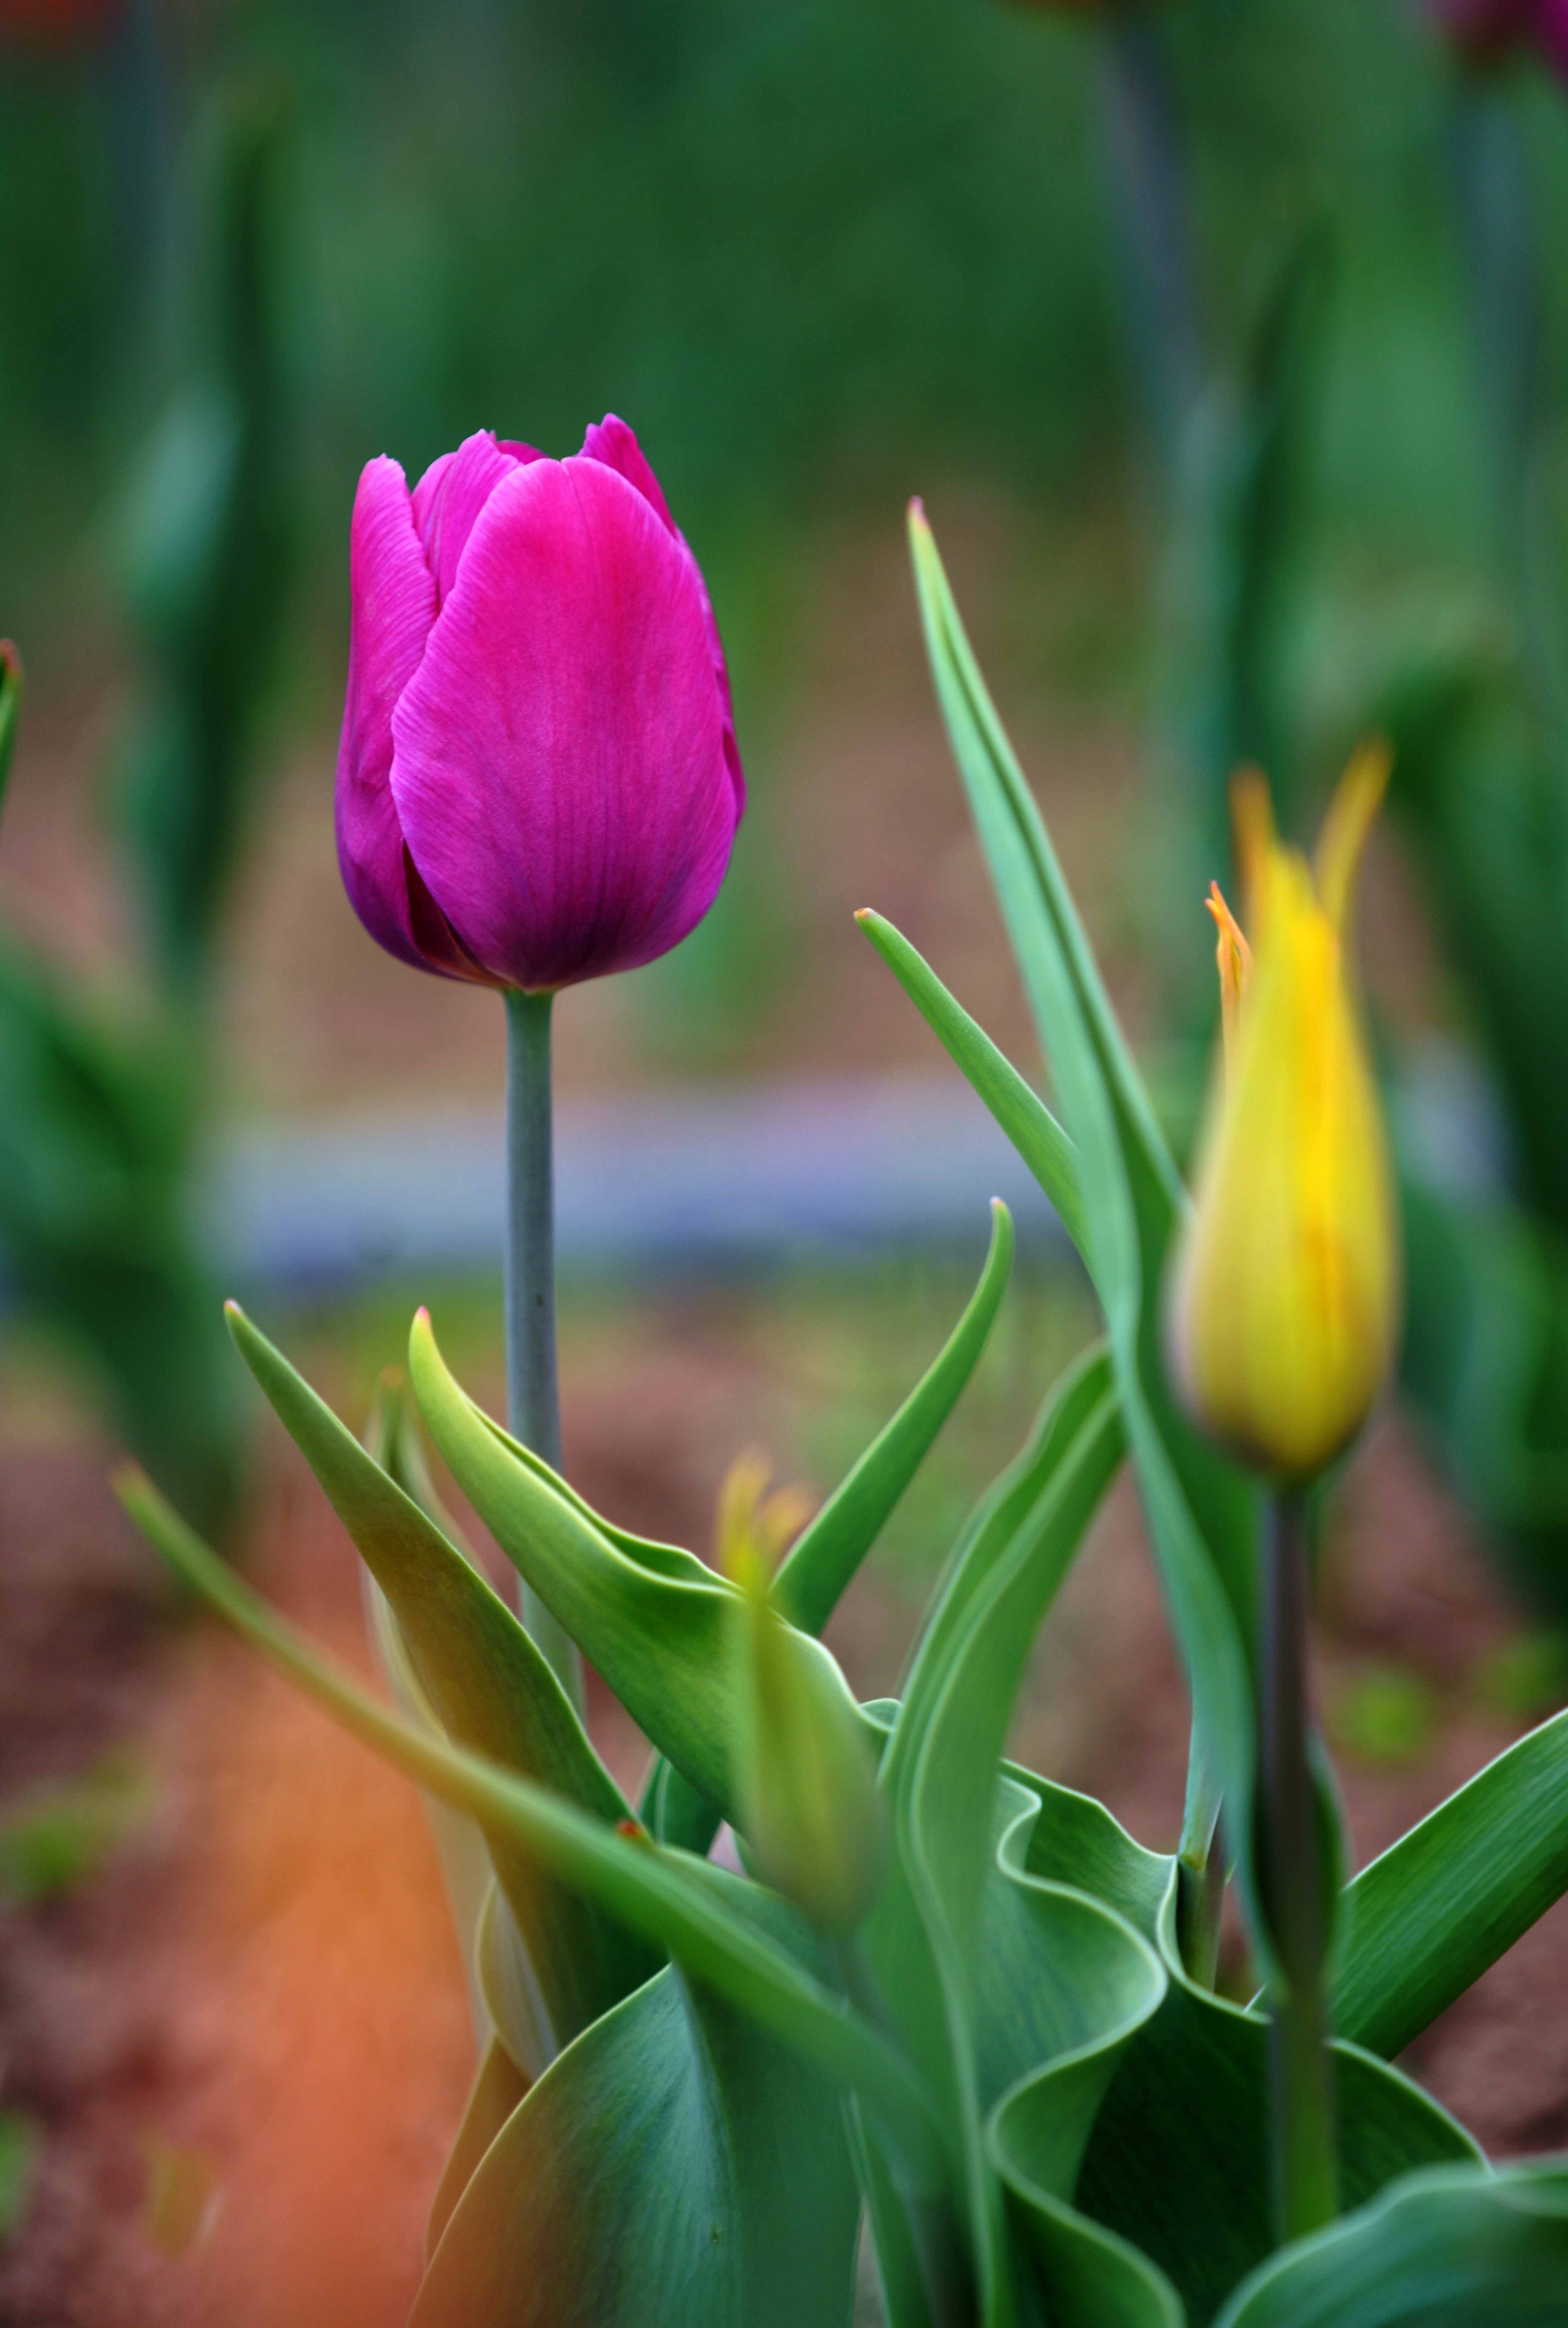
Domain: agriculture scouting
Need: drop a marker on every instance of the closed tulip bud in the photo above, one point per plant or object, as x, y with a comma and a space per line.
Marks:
806, 1772
538, 781
1285, 1295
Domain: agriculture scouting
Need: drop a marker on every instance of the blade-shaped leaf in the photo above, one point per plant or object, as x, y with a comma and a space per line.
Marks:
486, 1684
675, 2168
821, 1565
1454, 2249
496, 2092
1022, 1114
941, 1771
811, 1581
1448, 1897
679, 1902
660, 1637
1202, 1513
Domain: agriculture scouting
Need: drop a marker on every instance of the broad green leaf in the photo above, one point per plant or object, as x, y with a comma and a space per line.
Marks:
675, 2168
391, 1439
1177, 2161
487, 1686
660, 1635
1202, 1513
675, 1811
1428, 1917
1022, 1114
901, 2279
679, 1902
1454, 2249
498, 2088
1076, 1840
813, 1579
941, 1771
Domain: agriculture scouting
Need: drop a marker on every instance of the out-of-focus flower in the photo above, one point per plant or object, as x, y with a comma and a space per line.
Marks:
1484, 32
1286, 1290
1081, 7
538, 781
56, 24
805, 1772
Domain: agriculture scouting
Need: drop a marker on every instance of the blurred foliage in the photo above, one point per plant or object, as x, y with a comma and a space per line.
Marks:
60, 1834
182, 2196
811, 247
101, 1109
1384, 1714
206, 551
97, 1129
19, 2143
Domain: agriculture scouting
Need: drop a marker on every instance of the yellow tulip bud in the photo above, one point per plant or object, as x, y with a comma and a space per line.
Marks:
1285, 1296
806, 1770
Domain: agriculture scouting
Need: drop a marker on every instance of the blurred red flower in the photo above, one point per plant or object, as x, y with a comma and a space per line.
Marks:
55, 23
1486, 31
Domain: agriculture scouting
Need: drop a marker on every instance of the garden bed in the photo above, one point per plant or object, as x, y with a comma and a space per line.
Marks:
259, 1990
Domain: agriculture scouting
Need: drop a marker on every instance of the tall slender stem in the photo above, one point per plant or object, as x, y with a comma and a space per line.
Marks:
532, 1395
1302, 2068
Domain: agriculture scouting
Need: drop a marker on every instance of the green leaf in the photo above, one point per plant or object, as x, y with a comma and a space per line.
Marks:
391, 1439
1177, 2161
1022, 1114
1451, 1896
1202, 1513
941, 1771
682, 1903
19, 2147
96, 1150
675, 2168
498, 2088
10, 709
59, 1836
1454, 2249
813, 1579
487, 1685
821, 1565
654, 1620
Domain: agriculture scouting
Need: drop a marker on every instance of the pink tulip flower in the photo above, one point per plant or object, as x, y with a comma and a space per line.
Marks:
1485, 30
538, 781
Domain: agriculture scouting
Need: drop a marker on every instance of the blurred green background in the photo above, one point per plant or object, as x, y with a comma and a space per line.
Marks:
821, 253
817, 252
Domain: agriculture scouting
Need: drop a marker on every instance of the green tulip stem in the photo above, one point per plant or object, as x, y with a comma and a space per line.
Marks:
532, 1394
1301, 2066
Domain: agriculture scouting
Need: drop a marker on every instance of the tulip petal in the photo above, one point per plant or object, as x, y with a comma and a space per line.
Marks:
614, 444
450, 495
559, 766
393, 598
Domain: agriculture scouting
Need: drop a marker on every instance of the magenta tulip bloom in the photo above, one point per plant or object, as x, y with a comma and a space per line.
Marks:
1484, 31
538, 781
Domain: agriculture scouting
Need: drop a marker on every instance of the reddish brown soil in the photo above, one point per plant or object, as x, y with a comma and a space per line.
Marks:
265, 1974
